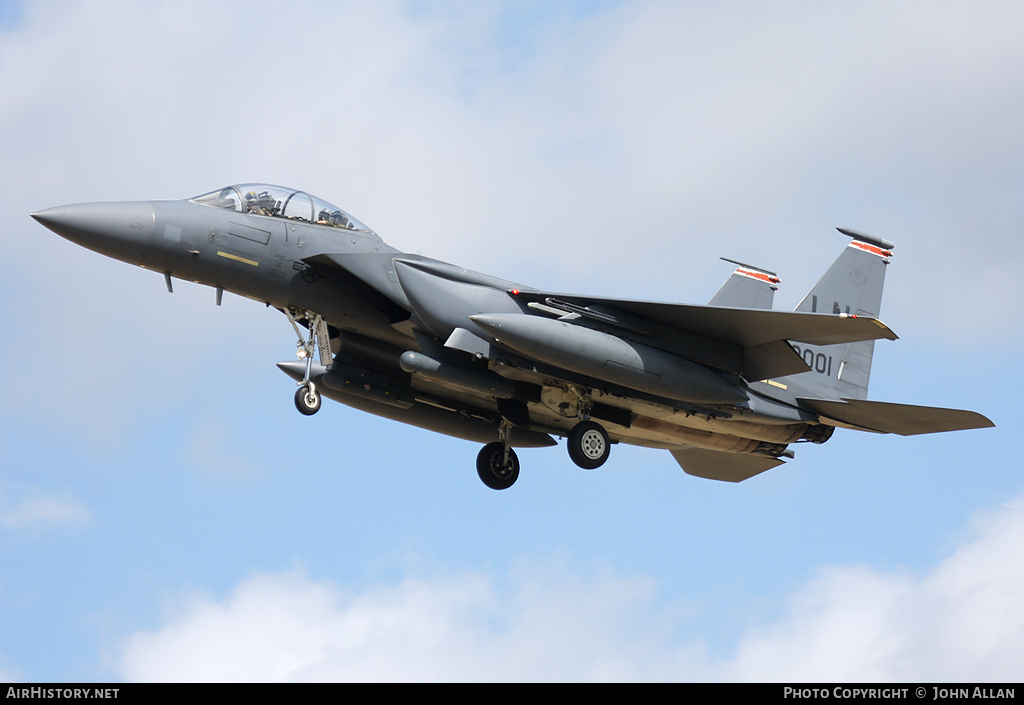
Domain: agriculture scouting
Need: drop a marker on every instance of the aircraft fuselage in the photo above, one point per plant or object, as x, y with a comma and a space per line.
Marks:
481, 358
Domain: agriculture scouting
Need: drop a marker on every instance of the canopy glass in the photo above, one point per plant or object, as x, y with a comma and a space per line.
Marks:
279, 202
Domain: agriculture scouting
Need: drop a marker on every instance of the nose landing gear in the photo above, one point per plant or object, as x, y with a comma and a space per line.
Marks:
307, 398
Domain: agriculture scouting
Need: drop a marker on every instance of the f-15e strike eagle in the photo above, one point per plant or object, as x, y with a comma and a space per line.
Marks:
726, 387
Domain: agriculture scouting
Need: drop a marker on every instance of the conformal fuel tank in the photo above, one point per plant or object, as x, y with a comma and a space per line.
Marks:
609, 358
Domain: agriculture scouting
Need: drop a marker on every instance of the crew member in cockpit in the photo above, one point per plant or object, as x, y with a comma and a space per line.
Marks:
262, 204
336, 219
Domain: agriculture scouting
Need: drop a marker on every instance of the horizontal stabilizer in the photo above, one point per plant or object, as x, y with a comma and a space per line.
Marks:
727, 467
776, 359
901, 419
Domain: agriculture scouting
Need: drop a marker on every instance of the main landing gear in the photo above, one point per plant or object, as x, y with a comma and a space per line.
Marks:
497, 464
589, 445
588, 442
307, 398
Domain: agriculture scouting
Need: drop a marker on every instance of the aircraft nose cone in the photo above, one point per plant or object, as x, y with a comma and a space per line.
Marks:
119, 230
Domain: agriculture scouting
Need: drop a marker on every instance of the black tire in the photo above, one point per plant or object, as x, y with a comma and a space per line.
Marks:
589, 445
307, 402
491, 468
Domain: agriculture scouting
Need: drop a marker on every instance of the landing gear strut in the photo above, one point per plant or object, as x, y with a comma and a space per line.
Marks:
307, 398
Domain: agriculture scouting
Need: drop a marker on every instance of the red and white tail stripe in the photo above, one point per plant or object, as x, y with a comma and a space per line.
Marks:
866, 247
760, 276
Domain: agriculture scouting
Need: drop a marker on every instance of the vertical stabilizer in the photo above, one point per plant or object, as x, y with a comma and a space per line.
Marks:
748, 287
853, 285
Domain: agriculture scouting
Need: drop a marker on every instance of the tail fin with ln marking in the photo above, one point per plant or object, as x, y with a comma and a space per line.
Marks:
851, 286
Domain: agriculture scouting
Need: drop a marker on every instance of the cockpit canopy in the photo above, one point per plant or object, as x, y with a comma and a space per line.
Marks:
280, 202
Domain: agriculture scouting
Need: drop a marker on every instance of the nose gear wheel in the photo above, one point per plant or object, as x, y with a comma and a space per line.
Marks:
307, 400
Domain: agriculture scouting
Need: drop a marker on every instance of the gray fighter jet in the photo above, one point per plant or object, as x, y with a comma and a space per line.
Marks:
726, 387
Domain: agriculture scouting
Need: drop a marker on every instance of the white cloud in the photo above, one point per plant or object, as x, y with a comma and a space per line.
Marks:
467, 627
31, 509
963, 621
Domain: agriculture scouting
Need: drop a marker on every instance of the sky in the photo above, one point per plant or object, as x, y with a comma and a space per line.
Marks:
166, 514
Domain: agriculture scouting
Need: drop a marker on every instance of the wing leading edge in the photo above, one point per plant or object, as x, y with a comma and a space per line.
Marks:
746, 327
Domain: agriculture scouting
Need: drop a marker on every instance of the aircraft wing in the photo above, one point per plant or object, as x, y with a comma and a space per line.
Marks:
751, 342
727, 467
746, 327
901, 419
